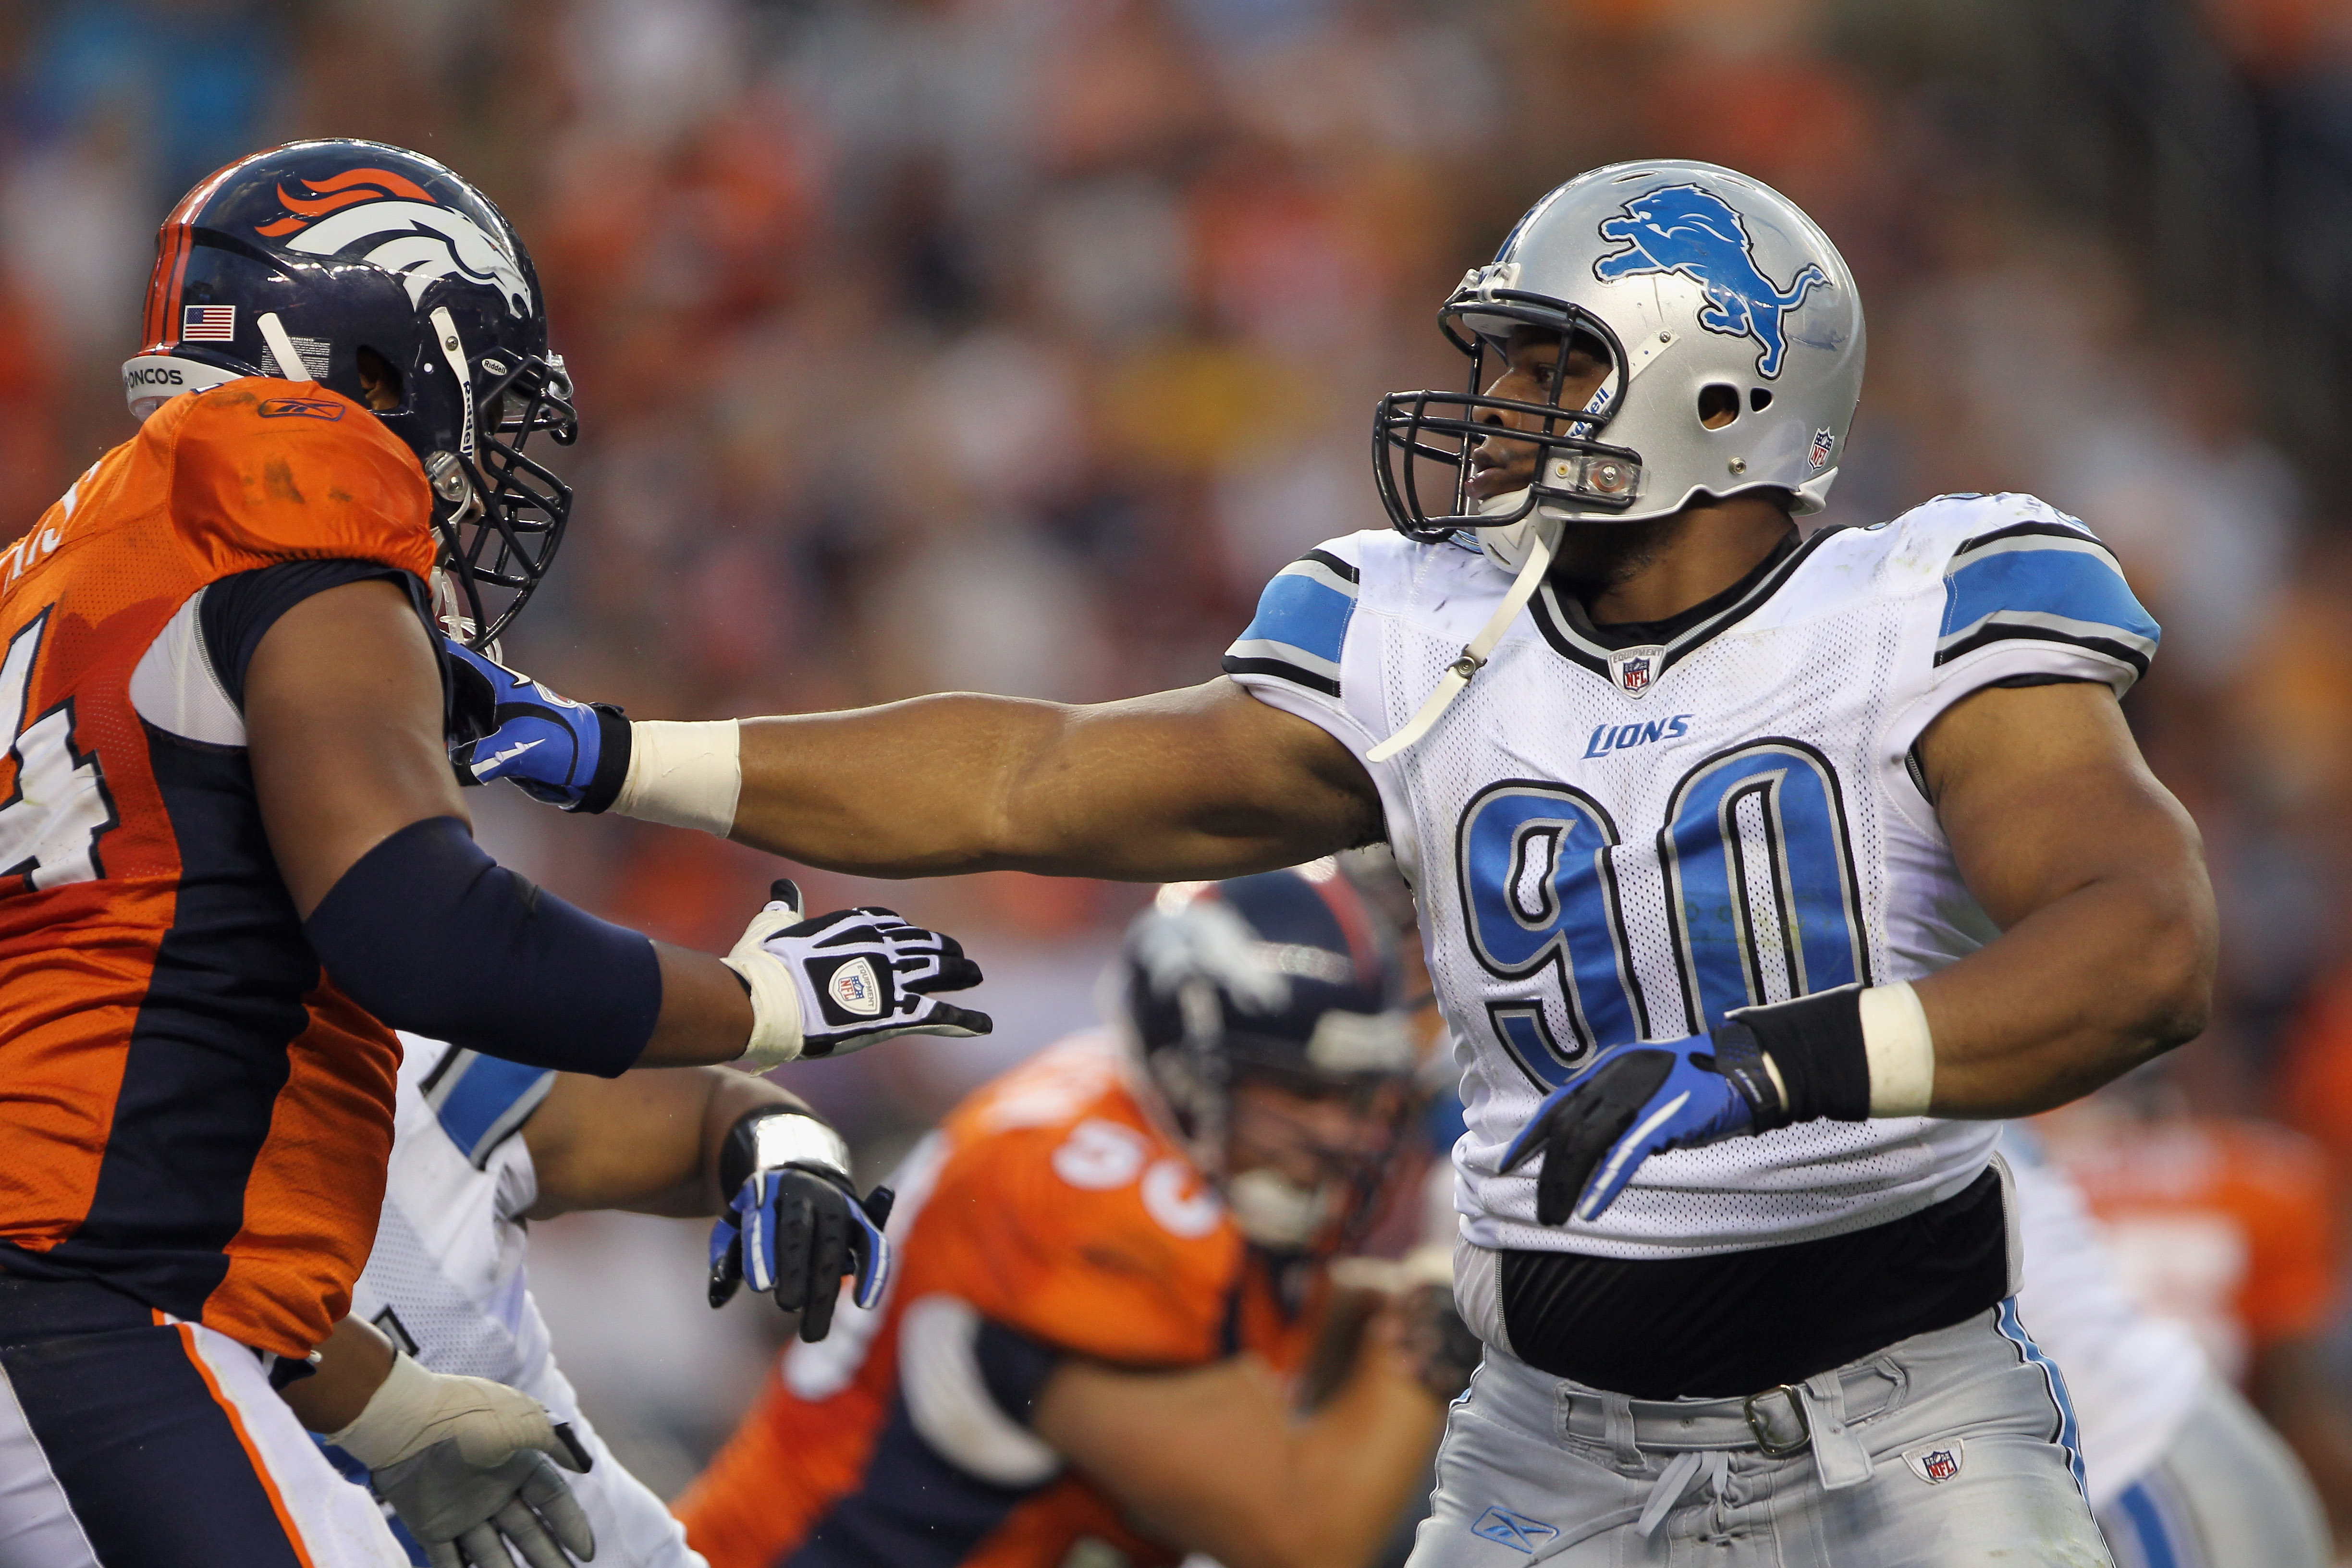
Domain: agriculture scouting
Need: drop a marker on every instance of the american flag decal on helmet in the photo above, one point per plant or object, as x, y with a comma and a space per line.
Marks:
209, 323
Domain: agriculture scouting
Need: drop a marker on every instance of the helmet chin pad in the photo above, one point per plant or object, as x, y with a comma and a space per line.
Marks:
1276, 1212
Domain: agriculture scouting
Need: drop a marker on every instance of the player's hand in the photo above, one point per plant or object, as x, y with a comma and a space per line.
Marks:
465, 1516
1637, 1100
841, 982
1435, 1342
794, 1231
464, 1462
505, 725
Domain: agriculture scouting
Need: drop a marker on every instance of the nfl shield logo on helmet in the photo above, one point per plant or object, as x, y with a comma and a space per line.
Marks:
1936, 1462
1823, 443
1635, 669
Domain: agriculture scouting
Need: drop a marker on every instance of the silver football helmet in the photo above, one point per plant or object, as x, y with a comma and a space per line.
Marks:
1709, 293
1690, 277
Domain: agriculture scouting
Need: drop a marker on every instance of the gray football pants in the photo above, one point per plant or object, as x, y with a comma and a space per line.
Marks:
2228, 1493
1947, 1449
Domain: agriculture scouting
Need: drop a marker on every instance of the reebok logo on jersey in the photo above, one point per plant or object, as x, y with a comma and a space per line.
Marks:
301, 408
1516, 1531
1608, 738
855, 990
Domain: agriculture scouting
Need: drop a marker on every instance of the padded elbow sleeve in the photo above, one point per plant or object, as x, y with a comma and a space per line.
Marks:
433, 936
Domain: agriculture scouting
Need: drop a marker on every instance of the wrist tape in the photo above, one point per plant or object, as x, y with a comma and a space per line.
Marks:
684, 776
1849, 1054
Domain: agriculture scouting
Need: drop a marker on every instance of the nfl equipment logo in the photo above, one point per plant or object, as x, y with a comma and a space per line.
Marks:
1636, 670
855, 989
1822, 443
1939, 1463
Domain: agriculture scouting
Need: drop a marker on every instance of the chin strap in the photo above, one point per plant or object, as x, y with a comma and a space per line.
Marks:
1474, 653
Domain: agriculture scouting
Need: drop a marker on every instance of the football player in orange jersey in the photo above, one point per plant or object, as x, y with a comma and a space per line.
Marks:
236, 857
1112, 1265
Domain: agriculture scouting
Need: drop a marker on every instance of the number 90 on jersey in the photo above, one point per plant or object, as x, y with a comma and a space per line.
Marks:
1759, 893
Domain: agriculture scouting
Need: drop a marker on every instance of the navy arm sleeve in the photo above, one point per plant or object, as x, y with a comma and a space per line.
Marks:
433, 936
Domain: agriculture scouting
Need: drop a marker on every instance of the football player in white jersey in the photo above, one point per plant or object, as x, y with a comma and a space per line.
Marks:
1758, 875
2181, 1472
481, 1146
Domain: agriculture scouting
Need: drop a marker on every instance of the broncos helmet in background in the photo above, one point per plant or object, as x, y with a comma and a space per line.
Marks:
1687, 276
1291, 978
296, 261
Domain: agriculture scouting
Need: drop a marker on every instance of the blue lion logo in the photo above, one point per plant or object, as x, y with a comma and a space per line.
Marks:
1693, 231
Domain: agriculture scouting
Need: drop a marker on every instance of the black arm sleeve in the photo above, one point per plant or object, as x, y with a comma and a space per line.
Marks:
238, 611
431, 935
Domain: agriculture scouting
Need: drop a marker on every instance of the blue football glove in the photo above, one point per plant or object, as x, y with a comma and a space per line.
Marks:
794, 1231
1637, 1100
505, 725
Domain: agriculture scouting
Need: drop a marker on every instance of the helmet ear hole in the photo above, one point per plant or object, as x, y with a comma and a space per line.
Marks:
1759, 398
1718, 406
381, 378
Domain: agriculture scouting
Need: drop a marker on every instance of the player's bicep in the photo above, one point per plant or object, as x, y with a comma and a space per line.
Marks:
343, 727
1199, 1455
2041, 791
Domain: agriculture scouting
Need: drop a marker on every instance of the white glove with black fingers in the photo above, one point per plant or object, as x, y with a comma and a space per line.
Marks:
841, 982
465, 1463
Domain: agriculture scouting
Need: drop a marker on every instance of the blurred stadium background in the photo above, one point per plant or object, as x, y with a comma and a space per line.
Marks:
1011, 344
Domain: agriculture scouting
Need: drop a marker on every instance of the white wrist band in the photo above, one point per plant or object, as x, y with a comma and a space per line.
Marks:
686, 776
1901, 1053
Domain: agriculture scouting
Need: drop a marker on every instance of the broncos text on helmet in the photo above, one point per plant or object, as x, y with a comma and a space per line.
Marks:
1289, 978
316, 260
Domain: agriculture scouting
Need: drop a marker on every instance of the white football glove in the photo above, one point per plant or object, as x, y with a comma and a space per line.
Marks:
840, 982
464, 1462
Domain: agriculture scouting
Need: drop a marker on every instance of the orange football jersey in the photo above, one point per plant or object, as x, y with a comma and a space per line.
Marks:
189, 1111
2223, 1223
1052, 1204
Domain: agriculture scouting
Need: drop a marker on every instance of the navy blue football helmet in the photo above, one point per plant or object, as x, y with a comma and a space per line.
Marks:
1289, 978
312, 260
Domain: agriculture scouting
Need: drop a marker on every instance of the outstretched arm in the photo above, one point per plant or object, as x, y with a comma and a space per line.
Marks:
2096, 878
646, 1141
1204, 783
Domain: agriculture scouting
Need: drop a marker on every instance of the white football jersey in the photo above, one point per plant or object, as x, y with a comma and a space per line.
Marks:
2136, 1378
445, 1281
1611, 845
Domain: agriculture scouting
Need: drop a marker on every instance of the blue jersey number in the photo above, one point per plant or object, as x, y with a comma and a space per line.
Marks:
1761, 899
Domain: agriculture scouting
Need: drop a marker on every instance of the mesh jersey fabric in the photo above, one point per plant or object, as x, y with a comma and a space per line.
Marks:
447, 1277
189, 1109
1611, 844
1051, 1201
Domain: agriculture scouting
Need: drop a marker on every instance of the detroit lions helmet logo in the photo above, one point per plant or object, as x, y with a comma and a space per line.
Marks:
1691, 230
378, 217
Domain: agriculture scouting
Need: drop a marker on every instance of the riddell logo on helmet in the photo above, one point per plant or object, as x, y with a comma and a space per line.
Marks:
377, 216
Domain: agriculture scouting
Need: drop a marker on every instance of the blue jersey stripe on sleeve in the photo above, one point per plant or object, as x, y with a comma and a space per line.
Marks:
481, 1099
1301, 625
2048, 581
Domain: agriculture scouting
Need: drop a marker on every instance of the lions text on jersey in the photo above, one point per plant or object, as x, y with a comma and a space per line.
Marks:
1618, 843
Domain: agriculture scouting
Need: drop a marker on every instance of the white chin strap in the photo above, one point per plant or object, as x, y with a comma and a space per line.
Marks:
1540, 538
1275, 1211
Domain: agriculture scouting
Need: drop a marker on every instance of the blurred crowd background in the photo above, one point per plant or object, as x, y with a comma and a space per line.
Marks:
1010, 345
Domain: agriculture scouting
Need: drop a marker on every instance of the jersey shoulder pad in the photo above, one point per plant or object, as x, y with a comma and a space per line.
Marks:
266, 470
1300, 629
2019, 577
1080, 1224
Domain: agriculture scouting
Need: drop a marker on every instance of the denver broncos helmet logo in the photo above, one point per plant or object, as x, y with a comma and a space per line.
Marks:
1691, 230
389, 221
